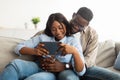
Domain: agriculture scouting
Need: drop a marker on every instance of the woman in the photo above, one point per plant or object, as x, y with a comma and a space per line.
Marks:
57, 29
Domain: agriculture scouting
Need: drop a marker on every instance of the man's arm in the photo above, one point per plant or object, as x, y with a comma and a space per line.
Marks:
90, 51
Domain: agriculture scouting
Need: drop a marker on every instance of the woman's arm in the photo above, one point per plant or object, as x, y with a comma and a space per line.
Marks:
68, 49
39, 50
28, 51
31, 47
79, 65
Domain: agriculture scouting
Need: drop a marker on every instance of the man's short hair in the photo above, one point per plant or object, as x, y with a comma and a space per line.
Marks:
86, 13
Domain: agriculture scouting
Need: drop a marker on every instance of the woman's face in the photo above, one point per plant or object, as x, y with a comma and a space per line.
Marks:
58, 30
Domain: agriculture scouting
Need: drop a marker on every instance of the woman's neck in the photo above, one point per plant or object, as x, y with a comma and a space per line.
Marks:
56, 39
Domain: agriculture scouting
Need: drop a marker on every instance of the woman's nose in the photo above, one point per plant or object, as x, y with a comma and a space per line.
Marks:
57, 31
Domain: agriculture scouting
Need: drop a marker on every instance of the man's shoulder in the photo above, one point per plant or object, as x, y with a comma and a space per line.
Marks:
90, 29
90, 33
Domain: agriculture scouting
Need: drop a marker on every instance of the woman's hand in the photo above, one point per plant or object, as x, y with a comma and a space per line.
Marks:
40, 50
67, 49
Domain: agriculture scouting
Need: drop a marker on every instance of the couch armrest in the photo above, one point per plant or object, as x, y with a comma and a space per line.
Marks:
7, 54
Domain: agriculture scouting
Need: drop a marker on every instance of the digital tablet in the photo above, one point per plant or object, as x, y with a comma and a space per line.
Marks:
52, 47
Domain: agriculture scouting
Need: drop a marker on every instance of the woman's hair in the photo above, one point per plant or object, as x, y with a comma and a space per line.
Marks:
56, 17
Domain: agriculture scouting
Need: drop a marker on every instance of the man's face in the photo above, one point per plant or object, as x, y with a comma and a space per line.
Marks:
78, 23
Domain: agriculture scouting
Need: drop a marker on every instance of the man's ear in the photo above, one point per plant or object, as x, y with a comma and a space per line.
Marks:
87, 23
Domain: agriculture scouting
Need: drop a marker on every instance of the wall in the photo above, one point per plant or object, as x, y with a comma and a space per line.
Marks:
17, 13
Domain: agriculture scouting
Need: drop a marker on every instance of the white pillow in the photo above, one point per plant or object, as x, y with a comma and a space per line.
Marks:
117, 62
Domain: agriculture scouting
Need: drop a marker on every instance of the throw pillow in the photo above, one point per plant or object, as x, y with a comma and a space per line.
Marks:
117, 62
106, 54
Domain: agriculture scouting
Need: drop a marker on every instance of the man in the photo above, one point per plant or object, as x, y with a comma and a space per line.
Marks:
89, 40
89, 37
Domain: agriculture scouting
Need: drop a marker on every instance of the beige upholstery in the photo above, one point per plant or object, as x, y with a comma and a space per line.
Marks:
6, 51
107, 52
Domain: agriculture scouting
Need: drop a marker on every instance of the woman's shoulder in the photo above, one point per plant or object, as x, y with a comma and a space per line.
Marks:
44, 36
72, 40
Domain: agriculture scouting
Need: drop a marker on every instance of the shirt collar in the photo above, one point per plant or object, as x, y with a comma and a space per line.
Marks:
85, 30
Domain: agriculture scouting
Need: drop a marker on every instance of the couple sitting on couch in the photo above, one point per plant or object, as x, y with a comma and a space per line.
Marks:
71, 64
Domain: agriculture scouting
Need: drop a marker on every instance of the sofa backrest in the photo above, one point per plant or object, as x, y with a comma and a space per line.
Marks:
106, 54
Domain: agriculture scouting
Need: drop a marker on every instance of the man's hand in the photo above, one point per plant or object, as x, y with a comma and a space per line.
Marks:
52, 65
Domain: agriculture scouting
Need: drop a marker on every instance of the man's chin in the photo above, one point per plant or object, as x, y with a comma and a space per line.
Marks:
74, 31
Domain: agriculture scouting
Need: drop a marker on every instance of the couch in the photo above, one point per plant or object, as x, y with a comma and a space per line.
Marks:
106, 57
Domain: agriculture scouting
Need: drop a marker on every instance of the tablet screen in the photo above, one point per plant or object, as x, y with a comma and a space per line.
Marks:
52, 47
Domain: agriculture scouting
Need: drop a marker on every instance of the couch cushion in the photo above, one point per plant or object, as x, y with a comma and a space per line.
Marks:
106, 54
112, 69
7, 54
117, 62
